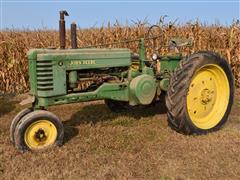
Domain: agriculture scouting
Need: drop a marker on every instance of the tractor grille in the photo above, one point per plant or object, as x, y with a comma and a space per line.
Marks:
44, 75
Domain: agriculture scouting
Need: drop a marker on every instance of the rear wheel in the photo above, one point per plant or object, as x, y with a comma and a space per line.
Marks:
38, 130
200, 95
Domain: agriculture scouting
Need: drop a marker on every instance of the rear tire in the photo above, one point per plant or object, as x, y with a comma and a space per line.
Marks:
38, 130
200, 94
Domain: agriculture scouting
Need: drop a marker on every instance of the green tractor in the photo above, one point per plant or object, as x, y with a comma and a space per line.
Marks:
198, 89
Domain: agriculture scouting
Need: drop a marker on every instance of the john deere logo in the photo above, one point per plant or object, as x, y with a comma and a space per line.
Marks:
83, 62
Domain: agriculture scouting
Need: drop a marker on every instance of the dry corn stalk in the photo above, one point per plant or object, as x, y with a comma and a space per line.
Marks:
15, 44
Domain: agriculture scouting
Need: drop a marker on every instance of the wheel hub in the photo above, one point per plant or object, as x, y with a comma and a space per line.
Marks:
40, 135
206, 96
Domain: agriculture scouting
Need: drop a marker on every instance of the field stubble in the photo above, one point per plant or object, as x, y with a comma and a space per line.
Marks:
137, 144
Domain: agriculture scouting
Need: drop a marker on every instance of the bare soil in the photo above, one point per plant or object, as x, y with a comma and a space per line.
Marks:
132, 145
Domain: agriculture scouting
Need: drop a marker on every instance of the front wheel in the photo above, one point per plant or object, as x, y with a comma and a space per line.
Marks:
38, 130
200, 94
16, 120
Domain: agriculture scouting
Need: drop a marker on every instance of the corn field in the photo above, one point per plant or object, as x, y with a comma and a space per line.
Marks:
15, 44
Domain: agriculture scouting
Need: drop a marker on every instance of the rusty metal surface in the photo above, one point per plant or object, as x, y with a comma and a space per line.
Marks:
62, 29
74, 35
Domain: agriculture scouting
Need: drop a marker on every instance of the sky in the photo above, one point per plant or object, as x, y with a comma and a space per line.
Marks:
38, 14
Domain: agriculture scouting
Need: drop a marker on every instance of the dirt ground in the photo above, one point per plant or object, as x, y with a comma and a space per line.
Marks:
134, 145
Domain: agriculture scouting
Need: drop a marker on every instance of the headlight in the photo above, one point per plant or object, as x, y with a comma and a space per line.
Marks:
154, 57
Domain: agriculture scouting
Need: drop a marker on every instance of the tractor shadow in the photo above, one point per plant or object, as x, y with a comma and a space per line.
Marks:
95, 113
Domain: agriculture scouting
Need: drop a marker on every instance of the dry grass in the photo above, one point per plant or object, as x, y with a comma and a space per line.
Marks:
133, 145
15, 44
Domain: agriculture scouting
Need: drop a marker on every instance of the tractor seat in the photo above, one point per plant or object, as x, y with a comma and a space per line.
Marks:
180, 42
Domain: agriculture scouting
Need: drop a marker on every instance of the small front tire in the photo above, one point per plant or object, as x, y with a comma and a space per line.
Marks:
38, 130
15, 121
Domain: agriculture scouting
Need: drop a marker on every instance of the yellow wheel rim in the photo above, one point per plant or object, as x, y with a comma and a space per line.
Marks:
40, 134
208, 96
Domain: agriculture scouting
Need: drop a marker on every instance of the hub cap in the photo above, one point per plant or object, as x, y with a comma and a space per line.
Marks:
40, 134
208, 96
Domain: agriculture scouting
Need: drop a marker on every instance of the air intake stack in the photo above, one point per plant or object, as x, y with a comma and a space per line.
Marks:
74, 35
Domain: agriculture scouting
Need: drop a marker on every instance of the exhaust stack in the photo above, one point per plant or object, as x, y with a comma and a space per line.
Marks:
62, 29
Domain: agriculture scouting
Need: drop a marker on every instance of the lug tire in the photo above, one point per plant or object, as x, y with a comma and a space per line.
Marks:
29, 120
179, 116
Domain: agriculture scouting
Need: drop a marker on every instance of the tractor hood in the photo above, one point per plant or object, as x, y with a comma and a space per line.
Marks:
48, 67
83, 58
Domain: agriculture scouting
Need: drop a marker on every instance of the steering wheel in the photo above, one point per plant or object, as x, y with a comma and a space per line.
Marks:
153, 34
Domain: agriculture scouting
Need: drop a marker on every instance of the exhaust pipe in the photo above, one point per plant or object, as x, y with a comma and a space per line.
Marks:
74, 35
62, 29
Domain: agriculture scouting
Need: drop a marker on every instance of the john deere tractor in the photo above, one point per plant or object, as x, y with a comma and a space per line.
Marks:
198, 88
